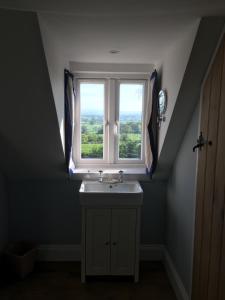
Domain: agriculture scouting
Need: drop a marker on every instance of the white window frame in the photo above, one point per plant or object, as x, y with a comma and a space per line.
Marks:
111, 114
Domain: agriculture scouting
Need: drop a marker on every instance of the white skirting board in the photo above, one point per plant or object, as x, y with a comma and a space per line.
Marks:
155, 252
174, 278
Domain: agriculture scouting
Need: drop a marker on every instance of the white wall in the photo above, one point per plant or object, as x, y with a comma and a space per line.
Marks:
172, 70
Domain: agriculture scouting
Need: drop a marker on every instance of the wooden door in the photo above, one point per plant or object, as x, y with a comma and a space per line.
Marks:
123, 240
209, 262
98, 230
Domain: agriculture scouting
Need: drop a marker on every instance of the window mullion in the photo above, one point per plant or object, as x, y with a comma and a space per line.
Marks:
106, 122
111, 117
117, 108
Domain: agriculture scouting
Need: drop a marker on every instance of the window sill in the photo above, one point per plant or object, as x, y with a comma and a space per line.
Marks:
135, 173
110, 170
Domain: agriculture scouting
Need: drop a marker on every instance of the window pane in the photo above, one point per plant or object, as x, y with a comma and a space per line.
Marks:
91, 118
130, 120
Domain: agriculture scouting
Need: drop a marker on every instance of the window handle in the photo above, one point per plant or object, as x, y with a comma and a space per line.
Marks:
106, 123
116, 127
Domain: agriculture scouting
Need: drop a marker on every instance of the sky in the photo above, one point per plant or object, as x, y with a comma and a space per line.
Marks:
92, 97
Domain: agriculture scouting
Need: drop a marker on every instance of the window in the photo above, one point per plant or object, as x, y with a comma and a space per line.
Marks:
130, 121
109, 122
92, 120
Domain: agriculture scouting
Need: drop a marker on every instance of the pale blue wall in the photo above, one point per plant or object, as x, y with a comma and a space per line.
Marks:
3, 214
180, 205
29, 132
48, 211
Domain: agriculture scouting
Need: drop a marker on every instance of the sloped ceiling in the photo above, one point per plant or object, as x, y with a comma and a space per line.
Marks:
206, 41
121, 7
29, 132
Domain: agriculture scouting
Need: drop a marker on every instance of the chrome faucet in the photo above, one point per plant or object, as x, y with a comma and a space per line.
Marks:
100, 176
120, 176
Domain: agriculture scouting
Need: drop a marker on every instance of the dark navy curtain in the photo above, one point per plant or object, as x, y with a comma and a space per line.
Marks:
69, 96
153, 123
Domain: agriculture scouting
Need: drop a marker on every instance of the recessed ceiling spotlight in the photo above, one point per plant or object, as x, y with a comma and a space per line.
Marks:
113, 51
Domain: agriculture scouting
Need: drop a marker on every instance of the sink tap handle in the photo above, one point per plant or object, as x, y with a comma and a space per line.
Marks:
120, 176
100, 175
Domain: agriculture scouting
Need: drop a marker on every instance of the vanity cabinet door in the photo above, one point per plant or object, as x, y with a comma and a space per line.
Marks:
123, 241
98, 223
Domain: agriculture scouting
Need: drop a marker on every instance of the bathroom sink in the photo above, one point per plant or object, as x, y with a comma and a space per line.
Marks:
106, 187
105, 193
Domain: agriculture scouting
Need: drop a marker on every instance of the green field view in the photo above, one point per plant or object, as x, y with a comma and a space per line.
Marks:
92, 137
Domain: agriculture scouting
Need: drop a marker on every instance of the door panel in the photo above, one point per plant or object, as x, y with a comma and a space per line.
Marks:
222, 265
207, 270
123, 241
218, 203
98, 222
200, 189
210, 170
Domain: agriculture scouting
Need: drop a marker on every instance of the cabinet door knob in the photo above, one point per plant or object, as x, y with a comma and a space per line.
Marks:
114, 243
106, 243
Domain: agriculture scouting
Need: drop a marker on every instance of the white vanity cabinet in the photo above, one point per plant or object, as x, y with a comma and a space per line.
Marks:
110, 234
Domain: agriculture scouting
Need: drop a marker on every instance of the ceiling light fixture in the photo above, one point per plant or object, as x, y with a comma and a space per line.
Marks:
113, 51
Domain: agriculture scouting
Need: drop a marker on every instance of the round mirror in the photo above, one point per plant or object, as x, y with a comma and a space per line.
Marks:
162, 102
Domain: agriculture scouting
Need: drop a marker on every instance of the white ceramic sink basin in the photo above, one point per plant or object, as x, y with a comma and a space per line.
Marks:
127, 187
94, 193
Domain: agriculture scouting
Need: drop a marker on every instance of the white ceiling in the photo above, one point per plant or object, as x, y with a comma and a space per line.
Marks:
139, 39
85, 31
